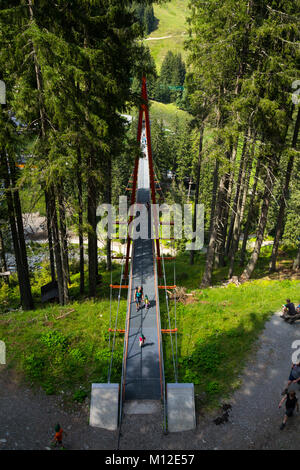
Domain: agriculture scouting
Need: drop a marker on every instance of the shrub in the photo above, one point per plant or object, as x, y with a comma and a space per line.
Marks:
9, 298
4, 297
191, 377
48, 387
77, 356
34, 366
213, 388
74, 266
102, 356
182, 276
54, 339
205, 357
79, 395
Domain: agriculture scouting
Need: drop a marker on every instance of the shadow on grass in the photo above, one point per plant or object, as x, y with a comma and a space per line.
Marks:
190, 277
214, 362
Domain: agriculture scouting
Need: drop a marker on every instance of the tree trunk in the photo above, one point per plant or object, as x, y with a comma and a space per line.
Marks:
245, 191
214, 196
283, 199
50, 238
3, 258
240, 208
51, 194
14, 234
296, 264
227, 206
108, 240
250, 213
21, 263
63, 242
80, 222
19, 219
207, 276
92, 235
244, 53
236, 198
272, 169
56, 245
192, 253
220, 231
2, 253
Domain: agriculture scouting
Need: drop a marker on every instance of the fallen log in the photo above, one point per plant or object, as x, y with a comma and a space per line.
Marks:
65, 314
181, 295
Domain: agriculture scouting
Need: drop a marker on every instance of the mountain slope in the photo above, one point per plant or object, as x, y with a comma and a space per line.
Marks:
171, 30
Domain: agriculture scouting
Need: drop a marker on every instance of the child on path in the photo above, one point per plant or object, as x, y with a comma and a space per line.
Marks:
290, 405
57, 440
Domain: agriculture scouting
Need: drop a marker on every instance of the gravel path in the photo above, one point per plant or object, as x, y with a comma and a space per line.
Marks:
165, 37
27, 418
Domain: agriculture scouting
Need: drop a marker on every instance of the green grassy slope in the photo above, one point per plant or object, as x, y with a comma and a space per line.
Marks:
168, 113
171, 22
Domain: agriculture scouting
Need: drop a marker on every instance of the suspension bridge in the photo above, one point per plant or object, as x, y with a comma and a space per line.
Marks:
143, 264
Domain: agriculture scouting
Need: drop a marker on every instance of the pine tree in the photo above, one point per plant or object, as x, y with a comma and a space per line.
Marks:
284, 196
72, 87
172, 74
241, 55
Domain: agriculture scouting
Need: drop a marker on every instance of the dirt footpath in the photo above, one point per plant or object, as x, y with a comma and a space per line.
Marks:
27, 418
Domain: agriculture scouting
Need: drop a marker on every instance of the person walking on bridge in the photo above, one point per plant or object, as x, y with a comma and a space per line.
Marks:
138, 297
142, 340
147, 302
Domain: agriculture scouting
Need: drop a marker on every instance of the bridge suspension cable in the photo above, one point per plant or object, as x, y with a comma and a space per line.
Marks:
169, 320
116, 321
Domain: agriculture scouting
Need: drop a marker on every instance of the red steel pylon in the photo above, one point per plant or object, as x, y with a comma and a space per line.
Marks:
144, 109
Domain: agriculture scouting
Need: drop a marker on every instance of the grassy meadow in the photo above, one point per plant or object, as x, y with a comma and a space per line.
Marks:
171, 22
168, 113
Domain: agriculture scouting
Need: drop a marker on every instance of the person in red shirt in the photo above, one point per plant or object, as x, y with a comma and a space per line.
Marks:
58, 435
142, 340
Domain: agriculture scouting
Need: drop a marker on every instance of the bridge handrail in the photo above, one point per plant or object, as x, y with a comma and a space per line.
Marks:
125, 343
160, 341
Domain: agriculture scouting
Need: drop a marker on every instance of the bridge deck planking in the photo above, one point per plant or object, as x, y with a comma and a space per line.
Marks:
142, 379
